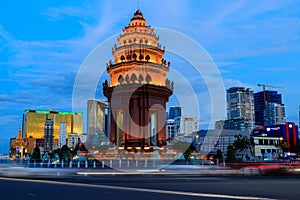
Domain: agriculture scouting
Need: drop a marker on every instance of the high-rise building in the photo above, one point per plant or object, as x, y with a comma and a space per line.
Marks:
174, 111
240, 105
238, 124
219, 124
72, 140
34, 121
95, 117
170, 129
62, 135
48, 135
185, 125
261, 100
97, 122
138, 89
274, 114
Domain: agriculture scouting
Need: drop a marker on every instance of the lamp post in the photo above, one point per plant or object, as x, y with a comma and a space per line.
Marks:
281, 145
198, 144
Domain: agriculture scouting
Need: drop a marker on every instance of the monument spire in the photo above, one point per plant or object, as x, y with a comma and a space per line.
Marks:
138, 89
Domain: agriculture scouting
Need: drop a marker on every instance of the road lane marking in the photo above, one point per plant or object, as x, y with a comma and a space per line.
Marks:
194, 194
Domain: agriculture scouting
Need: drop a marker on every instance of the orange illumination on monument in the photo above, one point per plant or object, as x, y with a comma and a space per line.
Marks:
138, 89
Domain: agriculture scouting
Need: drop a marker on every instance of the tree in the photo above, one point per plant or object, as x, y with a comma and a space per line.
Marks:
65, 153
252, 146
57, 152
185, 147
219, 155
81, 147
230, 153
51, 155
241, 143
284, 146
187, 154
36, 155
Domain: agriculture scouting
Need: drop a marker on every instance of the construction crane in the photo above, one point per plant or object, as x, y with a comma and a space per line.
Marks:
264, 89
270, 86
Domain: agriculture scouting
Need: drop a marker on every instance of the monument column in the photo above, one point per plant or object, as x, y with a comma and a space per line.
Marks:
138, 86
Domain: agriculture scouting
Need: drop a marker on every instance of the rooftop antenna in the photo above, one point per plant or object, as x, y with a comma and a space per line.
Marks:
138, 4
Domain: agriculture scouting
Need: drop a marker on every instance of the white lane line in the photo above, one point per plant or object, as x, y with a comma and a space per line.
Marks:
224, 196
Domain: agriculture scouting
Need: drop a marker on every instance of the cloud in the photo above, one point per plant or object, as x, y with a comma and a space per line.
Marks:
278, 69
4, 35
62, 53
44, 71
238, 83
58, 86
58, 13
246, 29
13, 99
7, 119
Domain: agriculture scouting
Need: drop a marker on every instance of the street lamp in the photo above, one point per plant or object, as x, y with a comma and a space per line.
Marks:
198, 144
197, 139
281, 145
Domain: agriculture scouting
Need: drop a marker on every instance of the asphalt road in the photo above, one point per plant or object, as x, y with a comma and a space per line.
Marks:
137, 187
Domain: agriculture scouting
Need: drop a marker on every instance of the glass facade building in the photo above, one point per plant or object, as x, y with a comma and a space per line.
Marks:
240, 104
174, 111
34, 123
261, 100
96, 116
96, 122
240, 109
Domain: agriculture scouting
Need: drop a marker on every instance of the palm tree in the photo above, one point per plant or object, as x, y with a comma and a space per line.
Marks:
65, 153
242, 144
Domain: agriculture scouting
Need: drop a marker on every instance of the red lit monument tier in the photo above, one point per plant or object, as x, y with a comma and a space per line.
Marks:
138, 88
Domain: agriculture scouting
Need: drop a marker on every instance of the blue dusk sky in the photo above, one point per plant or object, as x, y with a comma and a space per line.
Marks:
44, 43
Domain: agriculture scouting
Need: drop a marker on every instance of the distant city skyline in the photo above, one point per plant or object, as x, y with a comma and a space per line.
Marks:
44, 44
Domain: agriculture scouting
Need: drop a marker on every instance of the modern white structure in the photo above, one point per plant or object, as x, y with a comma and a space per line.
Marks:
170, 129
181, 128
267, 148
62, 135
